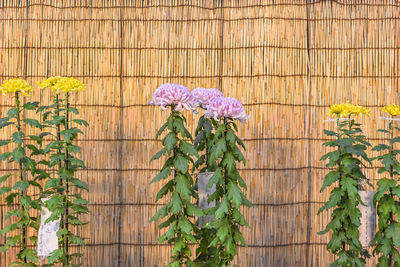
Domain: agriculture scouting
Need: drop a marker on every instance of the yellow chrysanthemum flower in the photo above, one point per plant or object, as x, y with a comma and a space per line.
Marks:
16, 85
49, 82
62, 84
393, 110
345, 110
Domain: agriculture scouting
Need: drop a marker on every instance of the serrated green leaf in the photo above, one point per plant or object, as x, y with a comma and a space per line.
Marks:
222, 209
165, 173
330, 178
4, 178
234, 194
181, 164
55, 255
4, 142
33, 123
170, 141
188, 148
182, 187
176, 203
164, 190
81, 122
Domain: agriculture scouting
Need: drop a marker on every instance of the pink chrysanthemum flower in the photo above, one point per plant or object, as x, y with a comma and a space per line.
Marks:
226, 107
204, 96
174, 94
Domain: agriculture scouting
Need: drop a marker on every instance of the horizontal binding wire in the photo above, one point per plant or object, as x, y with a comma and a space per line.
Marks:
202, 48
210, 76
167, 245
162, 204
202, 19
342, 3
244, 139
244, 104
240, 169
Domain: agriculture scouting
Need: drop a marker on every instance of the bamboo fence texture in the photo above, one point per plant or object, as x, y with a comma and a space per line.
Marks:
286, 60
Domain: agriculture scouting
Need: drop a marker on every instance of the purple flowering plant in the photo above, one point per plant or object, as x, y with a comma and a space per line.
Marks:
223, 151
180, 184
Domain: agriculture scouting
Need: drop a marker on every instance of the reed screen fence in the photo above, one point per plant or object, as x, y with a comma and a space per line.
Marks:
287, 61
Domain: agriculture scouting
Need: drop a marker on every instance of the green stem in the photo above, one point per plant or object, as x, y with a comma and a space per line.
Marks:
178, 234
66, 127
21, 173
391, 219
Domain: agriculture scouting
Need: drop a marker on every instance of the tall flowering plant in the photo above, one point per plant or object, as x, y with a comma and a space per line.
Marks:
179, 185
63, 192
229, 185
204, 138
346, 177
387, 239
19, 233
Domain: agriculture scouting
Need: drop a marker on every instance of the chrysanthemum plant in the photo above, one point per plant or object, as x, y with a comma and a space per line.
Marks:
179, 209
229, 185
27, 176
346, 162
386, 198
63, 192
204, 138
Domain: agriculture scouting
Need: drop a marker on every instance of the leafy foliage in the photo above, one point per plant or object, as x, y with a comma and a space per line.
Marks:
387, 239
63, 158
223, 233
346, 176
27, 177
181, 230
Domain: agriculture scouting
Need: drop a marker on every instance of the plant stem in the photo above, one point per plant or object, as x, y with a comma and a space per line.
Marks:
66, 127
21, 173
391, 219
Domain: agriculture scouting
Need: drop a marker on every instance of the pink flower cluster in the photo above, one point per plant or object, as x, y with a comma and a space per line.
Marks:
226, 107
204, 96
170, 94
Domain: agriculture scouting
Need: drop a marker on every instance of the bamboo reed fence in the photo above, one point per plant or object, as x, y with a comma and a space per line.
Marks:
286, 60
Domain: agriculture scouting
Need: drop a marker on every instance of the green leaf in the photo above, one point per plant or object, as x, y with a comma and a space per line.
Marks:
158, 154
179, 246
79, 184
4, 142
17, 137
185, 225
335, 197
393, 232
223, 231
222, 209
164, 190
188, 148
170, 141
30, 106
55, 255
4, 178
384, 185
12, 112
215, 179
33, 122
176, 203
5, 190
228, 162
29, 255
18, 154
330, 178
81, 122
181, 164
234, 194
218, 150
330, 133
350, 186
165, 173
193, 210
5, 156
21, 185
380, 147
182, 187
